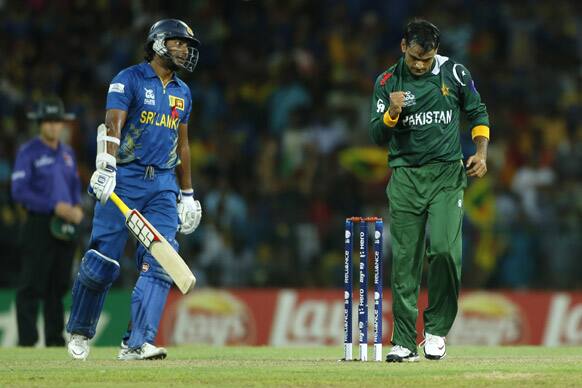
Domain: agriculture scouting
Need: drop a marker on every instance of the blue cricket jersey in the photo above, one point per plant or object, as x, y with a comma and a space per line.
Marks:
44, 176
154, 112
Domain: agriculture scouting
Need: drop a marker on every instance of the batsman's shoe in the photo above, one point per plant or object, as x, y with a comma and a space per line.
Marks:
401, 354
145, 352
122, 349
78, 347
434, 347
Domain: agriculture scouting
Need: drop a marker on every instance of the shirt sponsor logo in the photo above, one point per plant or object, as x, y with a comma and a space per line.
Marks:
117, 88
426, 118
150, 97
43, 161
409, 99
177, 102
159, 119
380, 106
18, 175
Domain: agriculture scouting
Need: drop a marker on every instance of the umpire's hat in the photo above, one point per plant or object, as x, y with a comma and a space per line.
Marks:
50, 109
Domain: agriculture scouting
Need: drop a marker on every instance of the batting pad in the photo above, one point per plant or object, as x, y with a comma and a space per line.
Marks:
96, 274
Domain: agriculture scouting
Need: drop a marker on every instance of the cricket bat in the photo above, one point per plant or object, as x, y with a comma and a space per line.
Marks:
157, 245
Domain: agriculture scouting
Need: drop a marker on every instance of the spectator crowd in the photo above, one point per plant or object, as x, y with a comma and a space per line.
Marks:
278, 133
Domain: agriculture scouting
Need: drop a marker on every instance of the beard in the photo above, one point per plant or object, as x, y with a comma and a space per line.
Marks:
170, 64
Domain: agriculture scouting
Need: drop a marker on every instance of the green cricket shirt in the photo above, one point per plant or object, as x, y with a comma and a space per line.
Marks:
427, 130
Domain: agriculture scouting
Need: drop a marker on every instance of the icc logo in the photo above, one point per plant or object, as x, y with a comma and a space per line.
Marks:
149, 93
150, 97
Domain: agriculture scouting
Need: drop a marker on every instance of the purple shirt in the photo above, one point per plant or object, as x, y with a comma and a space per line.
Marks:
44, 176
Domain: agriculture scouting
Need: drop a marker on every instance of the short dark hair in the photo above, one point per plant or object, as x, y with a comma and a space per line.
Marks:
149, 52
423, 33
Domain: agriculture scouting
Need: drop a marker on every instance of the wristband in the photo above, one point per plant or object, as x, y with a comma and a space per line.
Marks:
388, 120
480, 130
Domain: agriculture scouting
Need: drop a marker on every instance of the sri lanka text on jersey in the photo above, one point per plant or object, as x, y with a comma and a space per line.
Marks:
159, 119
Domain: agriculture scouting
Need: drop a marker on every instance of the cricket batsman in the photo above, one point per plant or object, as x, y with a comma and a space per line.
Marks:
416, 108
143, 154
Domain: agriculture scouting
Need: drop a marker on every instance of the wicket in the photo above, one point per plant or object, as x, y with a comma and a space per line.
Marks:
363, 290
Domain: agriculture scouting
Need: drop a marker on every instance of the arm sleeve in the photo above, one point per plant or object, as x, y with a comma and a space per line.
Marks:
120, 91
188, 107
471, 100
380, 133
22, 190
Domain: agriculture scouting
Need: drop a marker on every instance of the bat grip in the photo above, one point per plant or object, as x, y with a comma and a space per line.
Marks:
119, 203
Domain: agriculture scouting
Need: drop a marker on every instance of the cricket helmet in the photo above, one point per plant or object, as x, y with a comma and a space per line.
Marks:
174, 29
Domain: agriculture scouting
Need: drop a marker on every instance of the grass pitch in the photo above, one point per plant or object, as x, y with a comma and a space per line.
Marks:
297, 366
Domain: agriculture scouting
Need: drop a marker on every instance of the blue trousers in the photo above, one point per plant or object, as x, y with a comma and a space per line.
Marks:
155, 196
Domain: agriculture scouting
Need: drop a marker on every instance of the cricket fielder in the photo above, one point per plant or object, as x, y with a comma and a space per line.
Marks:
416, 109
139, 150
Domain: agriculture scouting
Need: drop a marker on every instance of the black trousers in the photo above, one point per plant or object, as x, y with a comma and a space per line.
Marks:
46, 277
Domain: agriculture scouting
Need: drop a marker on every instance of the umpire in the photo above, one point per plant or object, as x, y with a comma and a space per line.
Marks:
46, 183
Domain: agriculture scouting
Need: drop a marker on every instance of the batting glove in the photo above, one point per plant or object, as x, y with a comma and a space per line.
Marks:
189, 212
103, 183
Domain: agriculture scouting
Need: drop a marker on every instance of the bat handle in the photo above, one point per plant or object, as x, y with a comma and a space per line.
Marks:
119, 203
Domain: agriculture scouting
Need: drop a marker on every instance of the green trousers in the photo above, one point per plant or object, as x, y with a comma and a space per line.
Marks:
428, 197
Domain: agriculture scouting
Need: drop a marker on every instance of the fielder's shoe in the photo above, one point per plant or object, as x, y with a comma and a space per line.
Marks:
145, 352
401, 354
434, 347
78, 347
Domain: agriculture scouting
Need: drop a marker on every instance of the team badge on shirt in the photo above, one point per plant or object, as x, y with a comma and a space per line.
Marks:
177, 102
68, 159
444, 89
